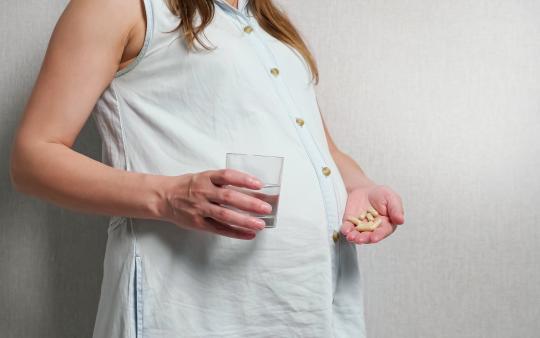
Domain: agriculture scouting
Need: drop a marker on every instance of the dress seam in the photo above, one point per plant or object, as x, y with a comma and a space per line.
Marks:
121, 125
127, 167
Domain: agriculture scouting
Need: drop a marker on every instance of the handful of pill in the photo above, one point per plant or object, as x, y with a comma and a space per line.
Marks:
367, 220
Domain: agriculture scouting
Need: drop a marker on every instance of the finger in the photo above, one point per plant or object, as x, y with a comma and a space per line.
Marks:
358, 237
362, 237
235, 177
350, 233
229, 216
351, 236
346, 227
239, 200
219, 228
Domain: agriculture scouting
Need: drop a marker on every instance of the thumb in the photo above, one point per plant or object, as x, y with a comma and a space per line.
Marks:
388, 203
395, 209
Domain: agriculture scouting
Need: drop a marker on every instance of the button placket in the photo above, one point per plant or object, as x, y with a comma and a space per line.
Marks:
310, 146
316, 157
241, 17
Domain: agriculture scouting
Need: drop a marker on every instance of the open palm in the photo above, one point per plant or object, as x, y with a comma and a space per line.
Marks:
387, 203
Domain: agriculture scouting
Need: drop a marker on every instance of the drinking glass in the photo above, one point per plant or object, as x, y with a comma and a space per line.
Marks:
268, 170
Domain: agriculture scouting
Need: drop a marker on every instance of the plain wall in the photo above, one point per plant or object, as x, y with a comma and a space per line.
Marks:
440, 100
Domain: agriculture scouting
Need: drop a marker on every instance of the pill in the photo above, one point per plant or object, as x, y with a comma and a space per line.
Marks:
362, 216
370, 217
377, 222
364, 226
368, 226
373, 211
354, 220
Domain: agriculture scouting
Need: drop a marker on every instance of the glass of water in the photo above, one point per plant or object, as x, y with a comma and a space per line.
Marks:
268, 170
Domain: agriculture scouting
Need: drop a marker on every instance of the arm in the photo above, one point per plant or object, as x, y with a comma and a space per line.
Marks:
362, 194
353, 175
84, 53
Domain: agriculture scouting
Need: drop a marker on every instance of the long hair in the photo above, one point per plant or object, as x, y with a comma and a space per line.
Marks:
273, 20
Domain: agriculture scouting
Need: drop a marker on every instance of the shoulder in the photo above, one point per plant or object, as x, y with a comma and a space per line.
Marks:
114, 16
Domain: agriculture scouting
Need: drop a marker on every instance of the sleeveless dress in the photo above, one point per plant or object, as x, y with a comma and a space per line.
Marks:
174, 111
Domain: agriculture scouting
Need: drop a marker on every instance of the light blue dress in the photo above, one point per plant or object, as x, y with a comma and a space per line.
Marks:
174, 111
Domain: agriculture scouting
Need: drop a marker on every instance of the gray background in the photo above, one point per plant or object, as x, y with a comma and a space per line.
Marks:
440, 100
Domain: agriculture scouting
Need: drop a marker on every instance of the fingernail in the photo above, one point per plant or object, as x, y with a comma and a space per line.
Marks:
259, 223
266, 207
255, 181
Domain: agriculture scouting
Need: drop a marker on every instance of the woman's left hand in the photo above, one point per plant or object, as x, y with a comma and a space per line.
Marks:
387, 203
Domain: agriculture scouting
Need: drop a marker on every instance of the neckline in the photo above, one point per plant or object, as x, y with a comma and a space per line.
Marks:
241, 5
237, 4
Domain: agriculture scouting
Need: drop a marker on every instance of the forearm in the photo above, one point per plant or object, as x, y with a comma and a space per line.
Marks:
60, 175
353, 175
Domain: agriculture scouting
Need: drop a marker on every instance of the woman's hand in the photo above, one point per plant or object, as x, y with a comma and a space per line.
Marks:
387, 203
193, 201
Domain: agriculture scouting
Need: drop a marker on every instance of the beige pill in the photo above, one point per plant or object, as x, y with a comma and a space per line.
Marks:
370, 217
362, 216
354, 220
373, 211
376, 223
369, 226
364, 226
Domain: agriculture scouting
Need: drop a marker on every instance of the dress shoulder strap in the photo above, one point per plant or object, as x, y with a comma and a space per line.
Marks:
160, 23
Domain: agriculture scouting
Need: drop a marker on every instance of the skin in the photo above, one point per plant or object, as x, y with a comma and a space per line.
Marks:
363, 193
233, 3
91, 41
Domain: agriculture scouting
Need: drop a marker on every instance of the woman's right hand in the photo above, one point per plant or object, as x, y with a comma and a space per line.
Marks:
193, 201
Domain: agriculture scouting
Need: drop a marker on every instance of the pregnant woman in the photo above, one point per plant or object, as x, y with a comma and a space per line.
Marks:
173, 85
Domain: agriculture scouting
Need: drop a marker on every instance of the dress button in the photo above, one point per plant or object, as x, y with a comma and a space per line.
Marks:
299, 121
248, 29
274, 71
326, 171
335, 236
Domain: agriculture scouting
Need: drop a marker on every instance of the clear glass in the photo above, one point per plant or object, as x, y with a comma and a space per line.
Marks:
267, 169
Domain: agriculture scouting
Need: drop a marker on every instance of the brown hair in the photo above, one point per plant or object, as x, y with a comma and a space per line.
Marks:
273, 20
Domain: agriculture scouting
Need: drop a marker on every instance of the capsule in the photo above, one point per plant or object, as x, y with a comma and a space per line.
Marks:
373, 211
364, 226
368, 226
354, 220
376, 223
362, 216
370, 217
